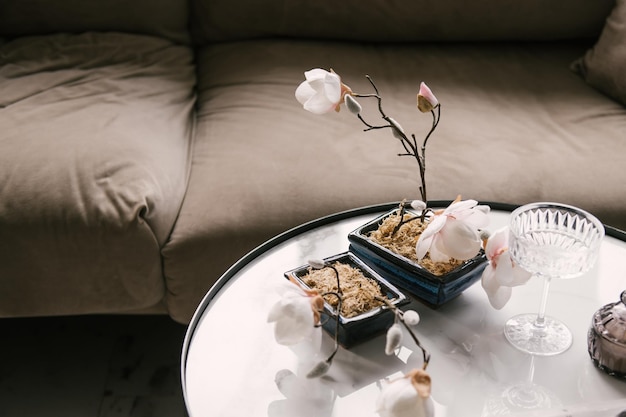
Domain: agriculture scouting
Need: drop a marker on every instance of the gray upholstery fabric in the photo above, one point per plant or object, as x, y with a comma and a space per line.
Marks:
397, 21
95, 139
165, 18
604, 65
516, 126
113, 199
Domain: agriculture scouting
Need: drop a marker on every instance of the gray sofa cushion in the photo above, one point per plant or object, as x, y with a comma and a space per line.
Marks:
399, 21
95, 139
165, 18
517, 126
604, 65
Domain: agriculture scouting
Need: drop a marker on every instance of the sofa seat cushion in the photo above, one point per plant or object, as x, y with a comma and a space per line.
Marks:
516, 126
95, 139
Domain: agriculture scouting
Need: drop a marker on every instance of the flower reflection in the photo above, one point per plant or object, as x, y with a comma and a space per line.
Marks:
304, 397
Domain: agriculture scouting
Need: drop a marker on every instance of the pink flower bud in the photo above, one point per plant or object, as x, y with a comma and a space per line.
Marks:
426, 100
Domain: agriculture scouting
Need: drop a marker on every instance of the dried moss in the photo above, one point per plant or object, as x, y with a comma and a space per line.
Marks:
404, 240
359, 292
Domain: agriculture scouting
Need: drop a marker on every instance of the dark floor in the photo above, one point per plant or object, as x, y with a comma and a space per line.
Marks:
91, 366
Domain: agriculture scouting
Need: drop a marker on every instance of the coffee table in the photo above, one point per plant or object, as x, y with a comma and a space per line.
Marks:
230, 361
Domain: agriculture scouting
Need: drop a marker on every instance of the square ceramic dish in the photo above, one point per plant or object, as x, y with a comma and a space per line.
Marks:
357, 329
418, 281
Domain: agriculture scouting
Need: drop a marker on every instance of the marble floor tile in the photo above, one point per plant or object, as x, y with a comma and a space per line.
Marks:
91, 366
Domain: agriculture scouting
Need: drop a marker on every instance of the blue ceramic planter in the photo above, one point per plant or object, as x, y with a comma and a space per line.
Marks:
431, 289
357, 329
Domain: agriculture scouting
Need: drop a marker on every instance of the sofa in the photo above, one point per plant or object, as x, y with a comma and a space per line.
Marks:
146, 145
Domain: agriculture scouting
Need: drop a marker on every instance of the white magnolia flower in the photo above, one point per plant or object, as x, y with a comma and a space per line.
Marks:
502, 273
407, 397
321, 92
295, 314
453, 232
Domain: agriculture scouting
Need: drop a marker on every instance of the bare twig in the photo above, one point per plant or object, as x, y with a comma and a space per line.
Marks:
409, 144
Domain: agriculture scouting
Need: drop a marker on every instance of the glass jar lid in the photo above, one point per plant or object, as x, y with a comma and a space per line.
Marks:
610, 321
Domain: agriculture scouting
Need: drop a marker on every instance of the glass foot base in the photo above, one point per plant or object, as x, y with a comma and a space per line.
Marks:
522, 397
551, 339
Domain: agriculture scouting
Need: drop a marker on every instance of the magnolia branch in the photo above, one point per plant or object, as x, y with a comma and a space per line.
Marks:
409, 144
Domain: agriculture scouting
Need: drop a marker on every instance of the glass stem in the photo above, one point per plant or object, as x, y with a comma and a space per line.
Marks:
541, 317
531, 371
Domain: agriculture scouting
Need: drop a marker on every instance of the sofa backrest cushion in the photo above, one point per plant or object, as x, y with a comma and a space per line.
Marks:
604, 65
398, 20
164, 18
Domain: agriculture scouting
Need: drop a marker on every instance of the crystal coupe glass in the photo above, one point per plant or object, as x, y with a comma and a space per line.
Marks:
550, 241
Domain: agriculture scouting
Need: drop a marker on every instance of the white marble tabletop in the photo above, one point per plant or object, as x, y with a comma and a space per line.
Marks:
231, 362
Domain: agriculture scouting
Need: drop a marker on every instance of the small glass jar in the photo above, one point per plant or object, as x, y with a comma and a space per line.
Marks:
606, 340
